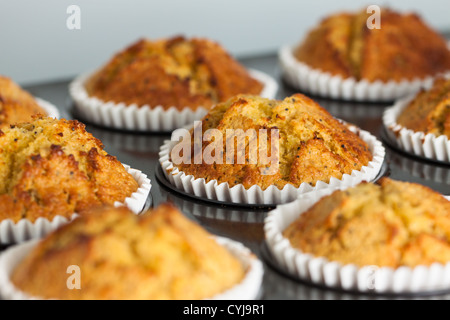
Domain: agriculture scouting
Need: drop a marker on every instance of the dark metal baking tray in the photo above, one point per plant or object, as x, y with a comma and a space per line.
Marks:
245, 224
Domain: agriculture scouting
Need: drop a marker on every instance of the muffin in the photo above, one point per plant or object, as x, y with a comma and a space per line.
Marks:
391, 223
419, 124
161, 85
253, 150
388, 237
429, 110
405, 47
16, 104
313, 145
173, 72
342, 58
160, 254
53, 167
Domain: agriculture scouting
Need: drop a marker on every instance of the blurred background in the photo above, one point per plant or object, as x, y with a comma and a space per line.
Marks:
37, 46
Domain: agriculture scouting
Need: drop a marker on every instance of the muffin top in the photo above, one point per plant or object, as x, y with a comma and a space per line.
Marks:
404, 47
429, 111
173, 72
16, 104
159, 254
282, 142
55, 167
391, 223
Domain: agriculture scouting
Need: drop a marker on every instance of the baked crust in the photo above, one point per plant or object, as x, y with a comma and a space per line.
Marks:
313, 146
326, 46
16, 104
52, 167
174, 72
122, 256
391, 223
429, 111
405, 47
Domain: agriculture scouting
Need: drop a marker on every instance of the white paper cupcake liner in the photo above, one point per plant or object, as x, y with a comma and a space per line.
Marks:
314, 81
247, 289
250, 286
146, 118
237, 194
51, 110
417, 143
24, 229
320, 271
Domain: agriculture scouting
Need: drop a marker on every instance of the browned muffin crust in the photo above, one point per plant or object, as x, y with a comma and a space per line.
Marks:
429, 111
175, 72
160, 254
405, 47
392, 223
52, 167
16, 104
313, 145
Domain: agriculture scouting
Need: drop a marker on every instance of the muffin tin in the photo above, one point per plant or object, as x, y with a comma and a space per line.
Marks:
245, 224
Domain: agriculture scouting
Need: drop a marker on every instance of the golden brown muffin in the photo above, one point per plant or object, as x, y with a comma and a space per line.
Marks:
157, 255
175, 72
313, 146
16, 104
391, 223
429, 111
405, 47
54, 167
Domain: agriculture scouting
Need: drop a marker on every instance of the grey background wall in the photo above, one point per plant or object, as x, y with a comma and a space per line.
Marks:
37, 46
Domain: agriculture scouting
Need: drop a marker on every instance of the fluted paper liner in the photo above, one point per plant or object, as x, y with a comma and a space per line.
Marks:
212, 190
321, 271
24, 229
51, 110
415, 142
145, 118
317, 82
247, 289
